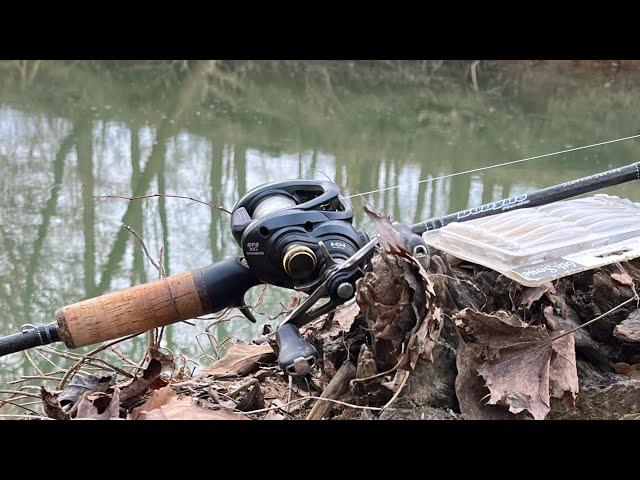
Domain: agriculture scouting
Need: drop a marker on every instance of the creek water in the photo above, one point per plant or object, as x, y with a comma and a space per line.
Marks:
71, 131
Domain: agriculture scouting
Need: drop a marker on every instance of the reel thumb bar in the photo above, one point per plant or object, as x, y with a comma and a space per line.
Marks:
537, 198
141, 308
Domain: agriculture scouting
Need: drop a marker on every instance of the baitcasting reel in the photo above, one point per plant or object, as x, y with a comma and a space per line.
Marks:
298, 234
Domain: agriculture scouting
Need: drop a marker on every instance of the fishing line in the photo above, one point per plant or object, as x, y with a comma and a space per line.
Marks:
480, 169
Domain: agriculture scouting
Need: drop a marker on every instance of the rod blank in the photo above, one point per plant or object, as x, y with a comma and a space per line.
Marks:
537, 198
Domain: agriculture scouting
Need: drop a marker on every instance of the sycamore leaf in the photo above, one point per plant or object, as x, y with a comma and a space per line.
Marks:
470, 389
520, 364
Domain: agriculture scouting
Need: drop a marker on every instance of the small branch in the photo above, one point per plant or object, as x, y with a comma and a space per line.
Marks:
303, 399
336, 388
15, 404
144, 247
20, 392
395, 395
599, 317
33, 364
84, 358
378, 375
155, 195
25, 417
26, 378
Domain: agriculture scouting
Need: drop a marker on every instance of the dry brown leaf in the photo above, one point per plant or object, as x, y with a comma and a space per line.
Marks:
51, 405
563, 373
623, 279
240, 359
629, 329
80, 384
182, 409
535, 293
252, 399
345, 315
164, 404
390, 239
393, 242
470, 389
520, 365
411, 313
330, 327
424, 337
366, 366
138, 385
273, 415
159, 397
99, 406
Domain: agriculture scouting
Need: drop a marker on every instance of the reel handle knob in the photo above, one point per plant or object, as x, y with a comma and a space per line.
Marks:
297, 356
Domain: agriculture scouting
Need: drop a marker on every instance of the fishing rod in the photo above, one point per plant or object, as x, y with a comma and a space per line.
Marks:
295, 234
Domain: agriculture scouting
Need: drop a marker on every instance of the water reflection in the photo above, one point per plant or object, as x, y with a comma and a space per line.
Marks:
213, 139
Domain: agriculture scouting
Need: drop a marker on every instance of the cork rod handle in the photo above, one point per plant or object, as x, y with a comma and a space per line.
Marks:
150, 305
134, 310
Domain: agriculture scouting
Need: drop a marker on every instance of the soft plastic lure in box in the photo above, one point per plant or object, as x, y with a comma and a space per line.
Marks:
536, 245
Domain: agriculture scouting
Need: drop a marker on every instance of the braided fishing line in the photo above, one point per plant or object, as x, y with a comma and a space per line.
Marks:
488, 167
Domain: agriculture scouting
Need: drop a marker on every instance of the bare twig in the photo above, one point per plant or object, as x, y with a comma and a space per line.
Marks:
15, 404
20, 392
155, 195
378, 375
339, 402
84, 358
26, 417
144, 247
26, 378
599, 317
395, 395
33, 364
290, 392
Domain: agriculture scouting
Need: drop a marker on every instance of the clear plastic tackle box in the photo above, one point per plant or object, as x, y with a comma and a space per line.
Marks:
536, 245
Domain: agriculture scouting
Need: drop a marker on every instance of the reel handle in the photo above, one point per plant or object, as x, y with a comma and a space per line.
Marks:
296, 356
